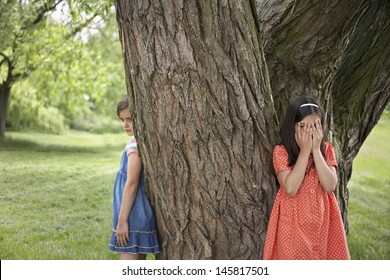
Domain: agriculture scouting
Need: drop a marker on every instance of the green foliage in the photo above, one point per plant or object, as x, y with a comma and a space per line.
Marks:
26, 113
67, 80
107, 43
386, 112
97, 124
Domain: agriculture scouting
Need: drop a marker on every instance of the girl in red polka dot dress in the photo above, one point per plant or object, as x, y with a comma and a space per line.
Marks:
305, 222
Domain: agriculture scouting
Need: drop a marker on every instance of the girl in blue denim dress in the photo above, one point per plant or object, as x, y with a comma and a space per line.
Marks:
134, 233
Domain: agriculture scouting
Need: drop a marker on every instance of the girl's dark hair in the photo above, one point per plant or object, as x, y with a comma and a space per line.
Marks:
122, 105
295, 113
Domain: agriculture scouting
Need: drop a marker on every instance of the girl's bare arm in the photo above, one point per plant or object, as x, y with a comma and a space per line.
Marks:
291, 180
134, 166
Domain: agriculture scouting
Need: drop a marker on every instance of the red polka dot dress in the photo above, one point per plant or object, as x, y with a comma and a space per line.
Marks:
307, 226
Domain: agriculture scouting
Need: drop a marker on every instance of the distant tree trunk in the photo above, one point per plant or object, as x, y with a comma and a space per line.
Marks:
207, 110
5, 91
4, 96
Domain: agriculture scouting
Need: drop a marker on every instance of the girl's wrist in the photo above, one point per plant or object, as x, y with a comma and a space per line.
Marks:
316, 150
305, 152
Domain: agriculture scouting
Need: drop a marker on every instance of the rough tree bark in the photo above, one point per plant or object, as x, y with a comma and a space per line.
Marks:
361, 87
207, 110
205, 120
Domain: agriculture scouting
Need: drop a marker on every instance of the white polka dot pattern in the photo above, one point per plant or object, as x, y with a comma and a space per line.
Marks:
308, 225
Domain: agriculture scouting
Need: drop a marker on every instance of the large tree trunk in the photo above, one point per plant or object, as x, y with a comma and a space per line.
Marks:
205, 123
207, 119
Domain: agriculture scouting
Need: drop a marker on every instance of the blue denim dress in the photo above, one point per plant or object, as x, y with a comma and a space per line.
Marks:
142, 230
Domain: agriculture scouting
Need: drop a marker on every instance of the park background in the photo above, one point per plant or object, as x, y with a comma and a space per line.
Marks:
63, 143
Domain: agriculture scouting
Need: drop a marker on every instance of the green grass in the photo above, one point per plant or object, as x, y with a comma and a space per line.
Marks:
55, 195
369, 203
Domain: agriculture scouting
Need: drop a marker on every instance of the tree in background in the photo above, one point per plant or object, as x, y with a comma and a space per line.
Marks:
45, 60
209, 82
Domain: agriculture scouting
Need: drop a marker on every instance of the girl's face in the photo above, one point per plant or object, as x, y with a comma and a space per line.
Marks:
126, 122
309, 119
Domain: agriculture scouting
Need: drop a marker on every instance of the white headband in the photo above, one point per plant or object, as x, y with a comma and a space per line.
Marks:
309, 104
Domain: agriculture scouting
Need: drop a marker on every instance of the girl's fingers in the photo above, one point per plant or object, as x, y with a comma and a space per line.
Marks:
319, 126
311, 132
122, 239
298, 129
308, 131
319, 129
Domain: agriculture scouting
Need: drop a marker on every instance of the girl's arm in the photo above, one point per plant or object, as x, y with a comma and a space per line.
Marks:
134, 166
326, 174
291, 180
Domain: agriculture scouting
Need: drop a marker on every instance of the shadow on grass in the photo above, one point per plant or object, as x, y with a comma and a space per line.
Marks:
10, 144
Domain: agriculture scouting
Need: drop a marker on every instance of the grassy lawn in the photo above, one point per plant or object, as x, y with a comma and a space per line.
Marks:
369, 203
55, 195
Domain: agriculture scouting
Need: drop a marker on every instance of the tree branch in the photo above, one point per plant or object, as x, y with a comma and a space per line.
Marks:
10, 67
77, 29
42, 10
